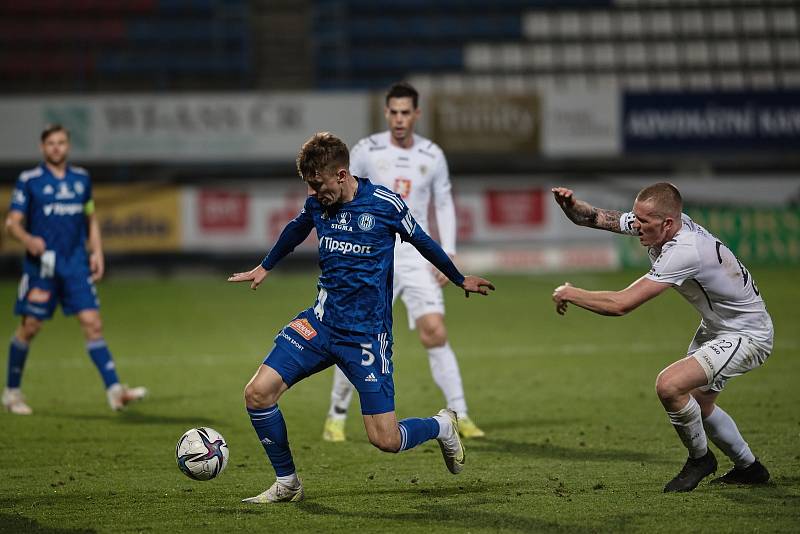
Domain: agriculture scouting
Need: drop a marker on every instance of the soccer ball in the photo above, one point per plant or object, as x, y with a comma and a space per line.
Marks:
202, 453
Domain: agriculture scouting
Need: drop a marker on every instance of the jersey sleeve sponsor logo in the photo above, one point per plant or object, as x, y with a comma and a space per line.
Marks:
19, 197
345, 247
366, 221
402, 186
38, 296
304, 328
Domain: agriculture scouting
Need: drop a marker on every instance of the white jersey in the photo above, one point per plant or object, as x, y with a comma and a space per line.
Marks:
707, 274
416, 174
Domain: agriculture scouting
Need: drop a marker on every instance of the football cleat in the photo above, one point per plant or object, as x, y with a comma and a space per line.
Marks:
468, 429
694, 470
277, 493
452, 448
120, 395
333, 430
754, 473
14, 402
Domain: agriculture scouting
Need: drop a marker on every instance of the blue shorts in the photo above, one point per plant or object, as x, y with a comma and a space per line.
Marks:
306, 346
38, 297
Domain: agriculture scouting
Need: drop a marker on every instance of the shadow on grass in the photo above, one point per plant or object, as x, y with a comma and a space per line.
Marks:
141, 418
550, 450
466, 517
491, 426
17, 523
780, 489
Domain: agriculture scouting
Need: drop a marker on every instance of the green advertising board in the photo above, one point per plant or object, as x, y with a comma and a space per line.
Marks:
758, 236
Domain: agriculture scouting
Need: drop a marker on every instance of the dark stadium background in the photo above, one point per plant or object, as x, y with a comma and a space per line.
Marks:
189, 113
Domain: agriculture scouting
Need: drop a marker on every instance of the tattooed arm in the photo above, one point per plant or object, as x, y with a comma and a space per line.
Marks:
584, 214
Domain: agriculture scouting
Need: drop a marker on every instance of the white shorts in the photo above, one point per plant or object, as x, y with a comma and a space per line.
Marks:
416, 285
723, 356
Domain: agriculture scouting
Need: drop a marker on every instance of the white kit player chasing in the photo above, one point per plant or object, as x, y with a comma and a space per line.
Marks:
416, 169
735, 334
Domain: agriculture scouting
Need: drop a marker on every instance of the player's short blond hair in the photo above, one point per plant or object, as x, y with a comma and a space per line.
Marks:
319, 153
665, 197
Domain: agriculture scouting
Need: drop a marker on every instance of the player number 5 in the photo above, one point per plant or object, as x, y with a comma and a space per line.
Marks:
366, 350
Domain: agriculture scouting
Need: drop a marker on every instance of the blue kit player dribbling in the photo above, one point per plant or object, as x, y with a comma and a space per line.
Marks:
350, 324
52, 214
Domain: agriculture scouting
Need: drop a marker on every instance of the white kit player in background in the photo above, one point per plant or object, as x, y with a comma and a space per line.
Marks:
415, 168
735, 334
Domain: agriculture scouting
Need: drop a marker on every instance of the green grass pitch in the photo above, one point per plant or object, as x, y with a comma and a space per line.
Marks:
576, 438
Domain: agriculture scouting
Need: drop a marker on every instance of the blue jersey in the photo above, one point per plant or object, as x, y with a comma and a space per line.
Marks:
356, 255
55, 210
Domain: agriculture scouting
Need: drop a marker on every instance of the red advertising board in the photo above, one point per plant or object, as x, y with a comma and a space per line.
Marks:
515, 207
223, 211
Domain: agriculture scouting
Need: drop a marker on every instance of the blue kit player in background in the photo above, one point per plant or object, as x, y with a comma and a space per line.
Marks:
52, 214
350, 324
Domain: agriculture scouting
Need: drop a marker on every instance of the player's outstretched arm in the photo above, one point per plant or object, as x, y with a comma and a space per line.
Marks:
255, 276
614, 303
476, 284
584, 214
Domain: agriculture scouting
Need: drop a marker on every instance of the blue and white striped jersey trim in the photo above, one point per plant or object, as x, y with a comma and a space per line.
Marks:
389, 197
36, 172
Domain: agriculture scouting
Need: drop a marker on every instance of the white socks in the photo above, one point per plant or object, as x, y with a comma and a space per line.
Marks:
341, 394
447, 376
445, 426
689, 426
722, 431
290, 481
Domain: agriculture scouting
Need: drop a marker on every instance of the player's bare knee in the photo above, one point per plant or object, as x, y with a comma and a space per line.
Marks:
256, 397
92, 327
28, 329
433, 336
667, 388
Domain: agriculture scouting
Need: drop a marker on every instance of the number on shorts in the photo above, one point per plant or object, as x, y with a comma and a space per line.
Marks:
366, 350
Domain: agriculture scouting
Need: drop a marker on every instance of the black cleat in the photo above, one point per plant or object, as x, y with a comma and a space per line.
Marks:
754, 473
694, 470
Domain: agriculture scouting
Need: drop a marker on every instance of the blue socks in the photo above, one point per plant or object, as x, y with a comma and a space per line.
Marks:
17, 353
98, 350
271, 430
415, 431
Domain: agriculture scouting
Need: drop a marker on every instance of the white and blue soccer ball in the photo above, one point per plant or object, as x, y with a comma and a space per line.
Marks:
202, 453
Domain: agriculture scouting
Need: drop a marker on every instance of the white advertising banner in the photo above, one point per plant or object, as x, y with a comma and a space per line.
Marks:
581, 122
245, 216
186, 128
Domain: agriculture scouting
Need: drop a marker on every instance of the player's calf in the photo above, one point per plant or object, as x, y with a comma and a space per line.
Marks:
386, 441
